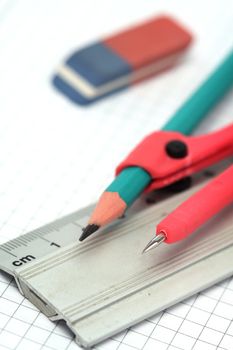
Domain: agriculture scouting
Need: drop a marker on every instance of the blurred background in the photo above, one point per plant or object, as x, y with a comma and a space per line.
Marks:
55, 156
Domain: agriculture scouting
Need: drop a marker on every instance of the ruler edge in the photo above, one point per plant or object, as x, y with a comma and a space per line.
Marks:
87, 344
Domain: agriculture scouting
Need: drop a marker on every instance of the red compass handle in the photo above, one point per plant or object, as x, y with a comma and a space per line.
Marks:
170, 156
199, 208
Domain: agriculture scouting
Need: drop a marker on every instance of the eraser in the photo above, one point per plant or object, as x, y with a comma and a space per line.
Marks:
120, 60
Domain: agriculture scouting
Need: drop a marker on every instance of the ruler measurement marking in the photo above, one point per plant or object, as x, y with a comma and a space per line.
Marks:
14, 244
44, 239
7, 252
49, 241
42, 232
7, 247
10, 246
33, 235
26, 241
23, 239
29, 239
54, 227
20, 242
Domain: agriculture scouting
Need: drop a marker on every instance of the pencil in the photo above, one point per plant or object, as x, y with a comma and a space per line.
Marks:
132, 181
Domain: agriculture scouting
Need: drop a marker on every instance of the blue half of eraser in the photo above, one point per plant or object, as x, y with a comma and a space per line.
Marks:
98, 64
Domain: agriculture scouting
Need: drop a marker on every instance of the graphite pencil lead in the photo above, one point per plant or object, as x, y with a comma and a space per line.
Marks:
87, 231
154, 243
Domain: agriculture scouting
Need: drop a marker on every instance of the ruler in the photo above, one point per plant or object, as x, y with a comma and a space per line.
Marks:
41, 242
104, 285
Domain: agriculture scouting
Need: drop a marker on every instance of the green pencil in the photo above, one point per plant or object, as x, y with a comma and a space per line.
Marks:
131, 182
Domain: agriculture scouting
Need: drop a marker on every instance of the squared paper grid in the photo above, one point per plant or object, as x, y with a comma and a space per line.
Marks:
47, 165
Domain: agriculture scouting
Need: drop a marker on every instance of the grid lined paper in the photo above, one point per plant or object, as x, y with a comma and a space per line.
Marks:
56, 157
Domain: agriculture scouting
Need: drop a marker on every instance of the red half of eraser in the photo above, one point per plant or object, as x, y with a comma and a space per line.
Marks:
150, 41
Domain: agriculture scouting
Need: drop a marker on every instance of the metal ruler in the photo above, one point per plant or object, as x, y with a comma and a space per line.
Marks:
104, 285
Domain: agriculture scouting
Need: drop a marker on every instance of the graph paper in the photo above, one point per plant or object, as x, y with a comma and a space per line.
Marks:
56, 157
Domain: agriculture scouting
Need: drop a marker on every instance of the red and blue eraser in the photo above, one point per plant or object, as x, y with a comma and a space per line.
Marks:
120, 60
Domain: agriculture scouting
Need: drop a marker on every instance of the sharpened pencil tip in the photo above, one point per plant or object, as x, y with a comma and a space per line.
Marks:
87, 231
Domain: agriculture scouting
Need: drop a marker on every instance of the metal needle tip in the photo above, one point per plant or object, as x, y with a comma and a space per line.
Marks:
155, 242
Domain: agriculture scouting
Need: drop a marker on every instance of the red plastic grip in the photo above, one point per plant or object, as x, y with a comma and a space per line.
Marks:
150, 154
199, 208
